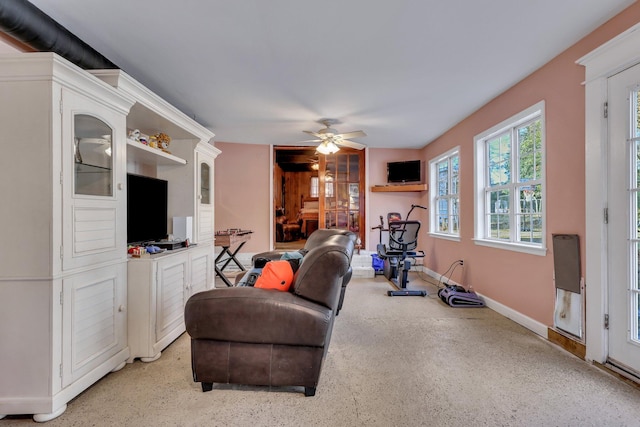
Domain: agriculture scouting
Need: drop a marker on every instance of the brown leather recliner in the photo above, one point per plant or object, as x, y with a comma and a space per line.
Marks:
316, 238
254, 336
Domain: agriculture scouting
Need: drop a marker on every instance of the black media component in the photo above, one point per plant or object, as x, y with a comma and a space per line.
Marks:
146, 209
404, 172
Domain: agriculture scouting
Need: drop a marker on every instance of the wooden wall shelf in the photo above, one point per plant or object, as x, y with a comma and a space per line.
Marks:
398, 188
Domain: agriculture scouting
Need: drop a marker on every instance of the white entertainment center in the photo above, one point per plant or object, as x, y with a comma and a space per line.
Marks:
75, 305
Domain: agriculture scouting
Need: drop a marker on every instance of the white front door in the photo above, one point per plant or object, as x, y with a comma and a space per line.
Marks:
624, 219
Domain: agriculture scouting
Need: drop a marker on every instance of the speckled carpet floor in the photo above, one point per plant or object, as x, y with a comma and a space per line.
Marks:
393, 361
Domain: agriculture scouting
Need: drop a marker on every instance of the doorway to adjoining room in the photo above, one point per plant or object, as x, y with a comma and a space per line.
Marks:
314, 191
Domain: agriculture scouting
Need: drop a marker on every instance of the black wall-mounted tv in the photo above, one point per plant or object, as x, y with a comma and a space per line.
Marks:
403, 172
146, 209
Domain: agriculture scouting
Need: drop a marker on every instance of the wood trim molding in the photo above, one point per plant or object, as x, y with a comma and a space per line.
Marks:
571, 345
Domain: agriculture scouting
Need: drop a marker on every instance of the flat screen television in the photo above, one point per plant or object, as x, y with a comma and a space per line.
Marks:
403, 172
146, 209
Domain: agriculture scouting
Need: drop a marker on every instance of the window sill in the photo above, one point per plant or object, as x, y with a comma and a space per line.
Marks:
532, 250
451, 237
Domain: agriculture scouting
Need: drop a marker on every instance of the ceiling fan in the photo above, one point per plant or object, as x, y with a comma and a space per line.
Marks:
330, 140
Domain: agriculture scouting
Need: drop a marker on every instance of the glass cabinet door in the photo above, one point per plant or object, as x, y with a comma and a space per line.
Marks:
93, 160
205, 184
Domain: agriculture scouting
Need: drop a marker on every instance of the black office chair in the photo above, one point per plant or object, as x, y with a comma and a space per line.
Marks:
403, 240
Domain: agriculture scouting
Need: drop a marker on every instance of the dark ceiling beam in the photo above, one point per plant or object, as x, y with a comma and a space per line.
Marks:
29, 25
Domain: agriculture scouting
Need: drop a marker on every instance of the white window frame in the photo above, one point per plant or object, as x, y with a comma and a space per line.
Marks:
435, 197
481, 184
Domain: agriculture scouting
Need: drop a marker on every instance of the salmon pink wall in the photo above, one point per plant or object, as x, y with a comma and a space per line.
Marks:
521, 281
242, 191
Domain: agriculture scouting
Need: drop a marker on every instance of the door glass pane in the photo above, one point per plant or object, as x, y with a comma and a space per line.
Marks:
635, 231
354, 196
93, 162
329, 219
354, 221
342, 168
636, 109
636, 170
342, 220
636, 317
354, 169
343, 195
634, 234
205, 183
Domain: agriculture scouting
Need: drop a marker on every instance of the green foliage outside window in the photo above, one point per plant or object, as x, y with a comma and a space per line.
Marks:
515, 198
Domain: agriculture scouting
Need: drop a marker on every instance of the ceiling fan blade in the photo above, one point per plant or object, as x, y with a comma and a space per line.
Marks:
351, 144
317, 135
309, 140
354, 134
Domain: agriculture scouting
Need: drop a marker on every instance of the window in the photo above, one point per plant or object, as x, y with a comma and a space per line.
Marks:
315, 187
445, 200
510, 183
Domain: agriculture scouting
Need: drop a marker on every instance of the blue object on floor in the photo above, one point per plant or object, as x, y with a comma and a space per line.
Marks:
377, 263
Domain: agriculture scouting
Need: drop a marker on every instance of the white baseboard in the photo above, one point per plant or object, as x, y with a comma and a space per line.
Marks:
521, 319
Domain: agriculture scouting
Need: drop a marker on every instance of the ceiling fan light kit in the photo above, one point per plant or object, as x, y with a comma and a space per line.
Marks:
327, 147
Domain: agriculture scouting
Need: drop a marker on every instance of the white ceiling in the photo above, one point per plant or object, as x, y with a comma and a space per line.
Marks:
403, 71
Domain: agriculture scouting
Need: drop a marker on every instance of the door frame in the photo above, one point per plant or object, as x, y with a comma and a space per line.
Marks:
610, 58
622, 228
364, 188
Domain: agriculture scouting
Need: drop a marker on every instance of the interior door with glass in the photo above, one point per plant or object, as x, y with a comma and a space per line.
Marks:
624, 220
342, 191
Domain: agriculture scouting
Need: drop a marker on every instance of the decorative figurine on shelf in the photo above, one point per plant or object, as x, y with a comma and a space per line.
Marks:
134, 135
153, 141
163, 141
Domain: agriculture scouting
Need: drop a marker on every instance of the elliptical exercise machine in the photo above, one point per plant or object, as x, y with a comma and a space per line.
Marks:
403, 240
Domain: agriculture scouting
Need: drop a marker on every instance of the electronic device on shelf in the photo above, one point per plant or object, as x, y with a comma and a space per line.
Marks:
169, 244
409, 171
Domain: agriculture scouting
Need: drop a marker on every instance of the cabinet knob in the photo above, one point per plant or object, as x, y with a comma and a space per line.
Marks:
122, 308
120, 186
